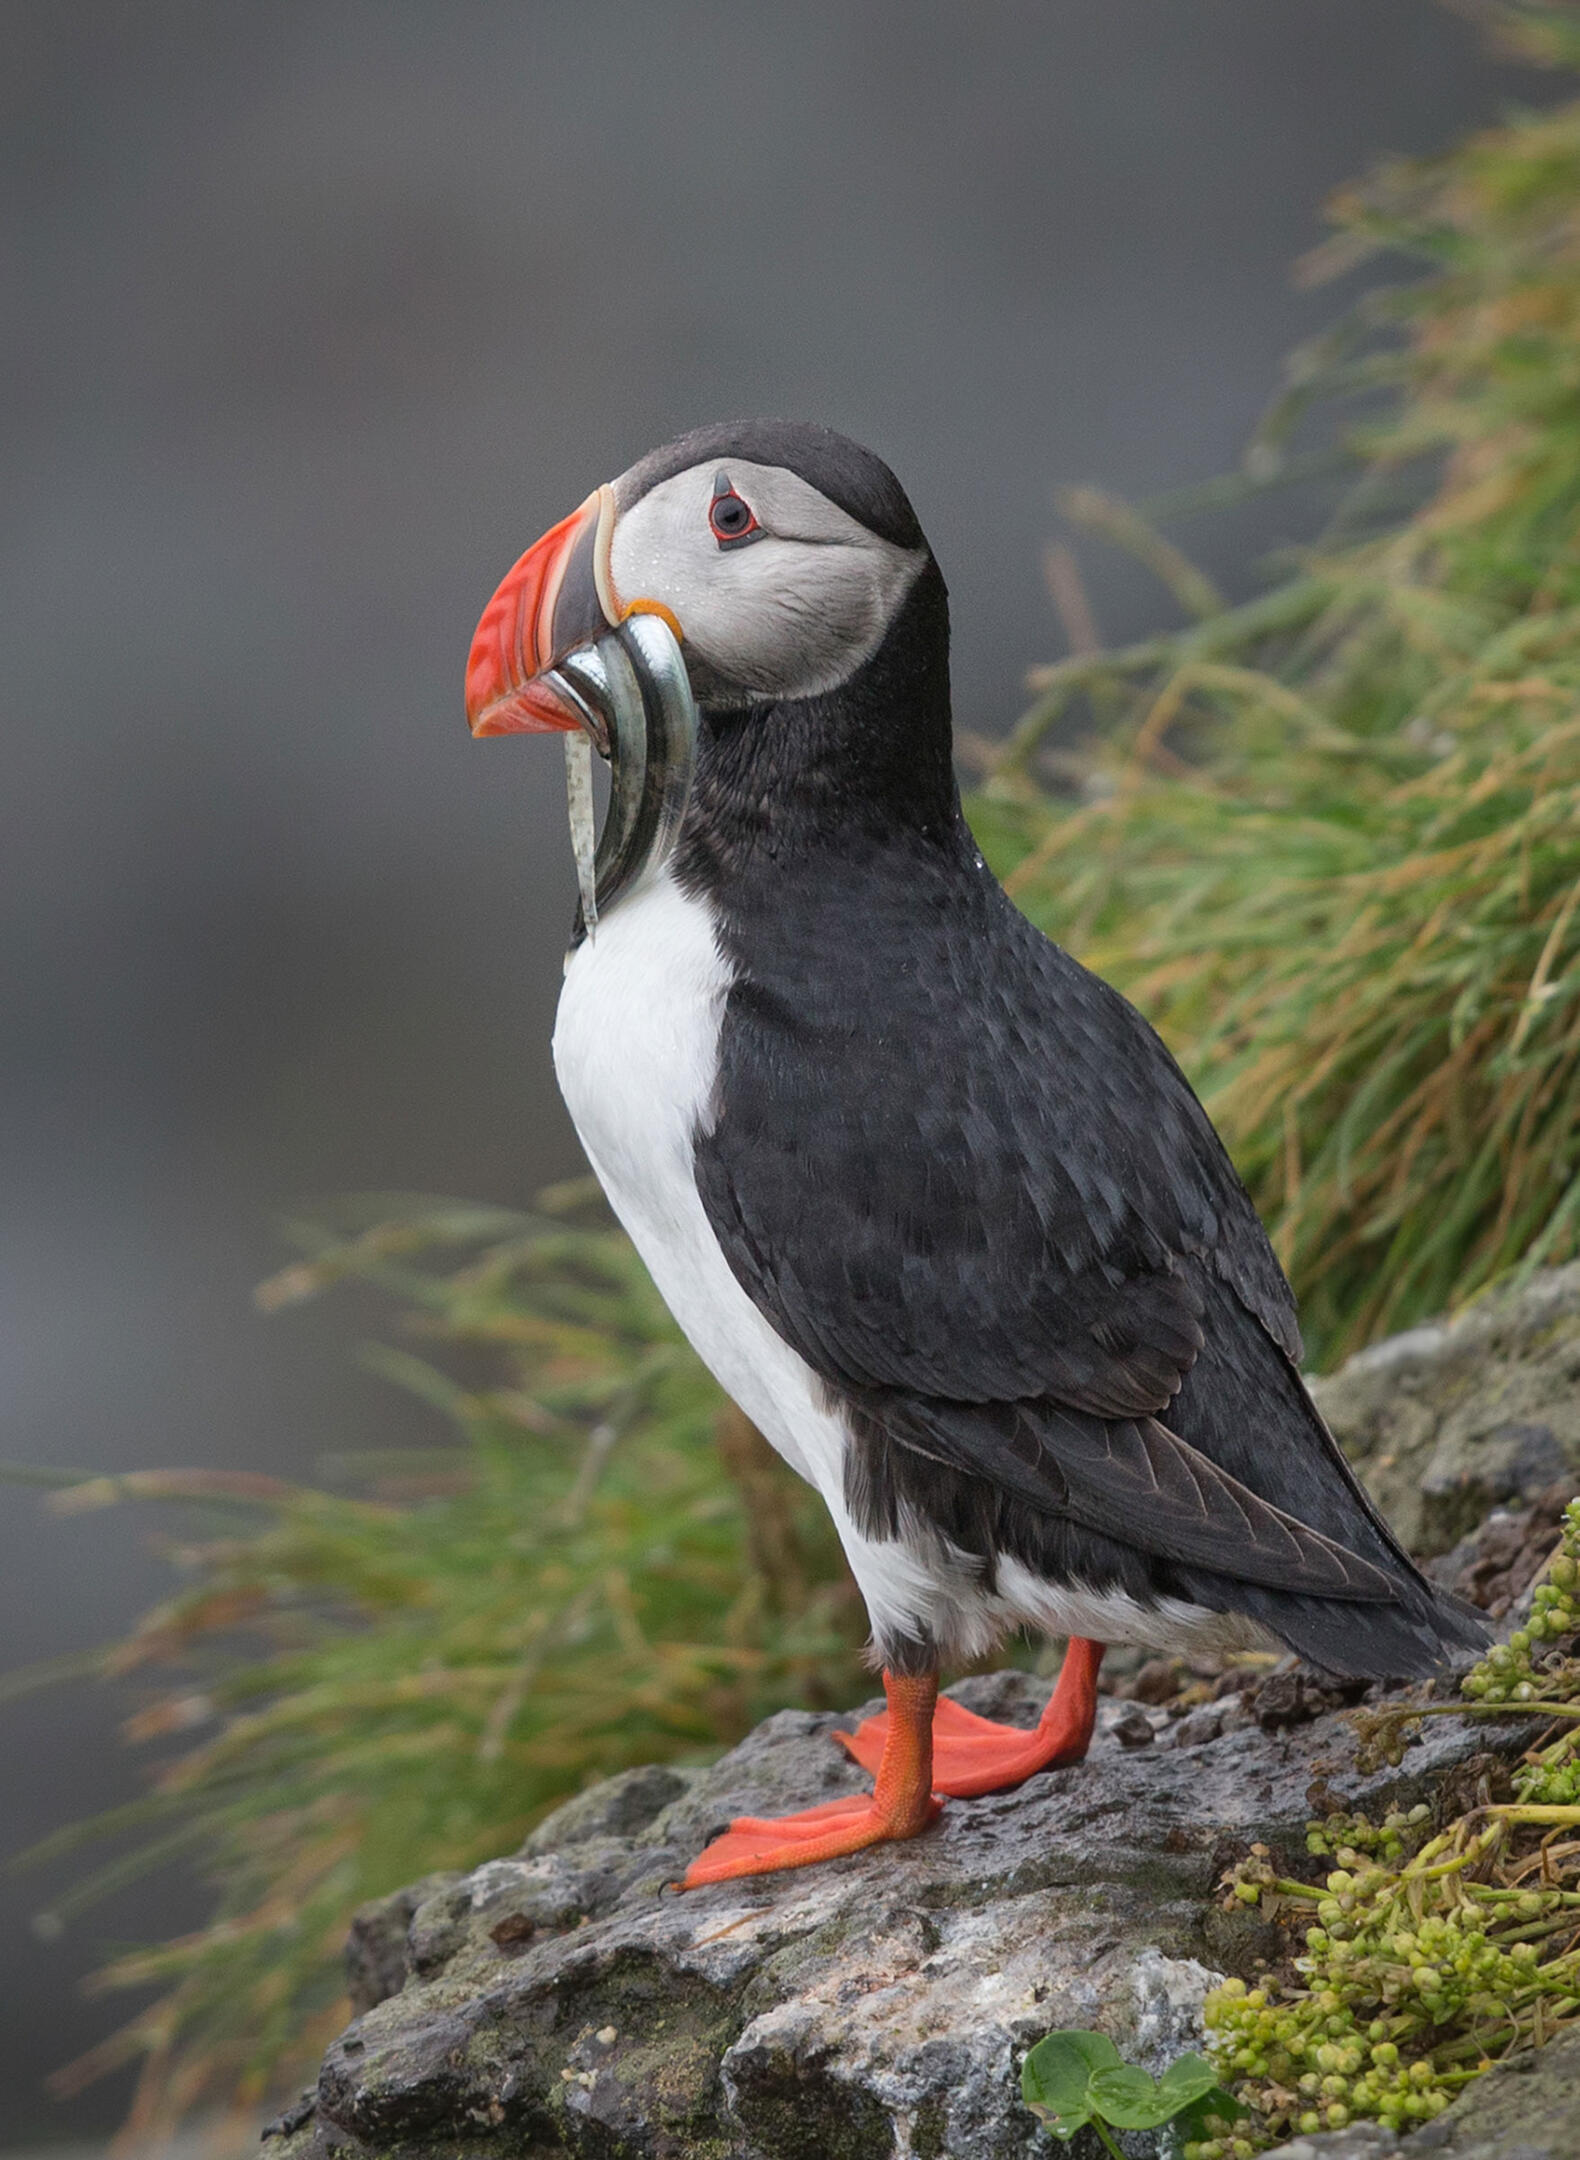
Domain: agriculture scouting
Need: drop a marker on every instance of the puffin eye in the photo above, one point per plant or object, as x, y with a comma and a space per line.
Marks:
730, 517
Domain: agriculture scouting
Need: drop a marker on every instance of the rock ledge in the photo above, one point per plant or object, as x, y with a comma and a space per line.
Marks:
565, 2002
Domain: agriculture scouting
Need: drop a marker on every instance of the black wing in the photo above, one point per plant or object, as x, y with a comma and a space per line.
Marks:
967, 1182
950, 1160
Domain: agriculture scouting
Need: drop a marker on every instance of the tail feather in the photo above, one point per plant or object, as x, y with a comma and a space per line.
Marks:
1423, 1633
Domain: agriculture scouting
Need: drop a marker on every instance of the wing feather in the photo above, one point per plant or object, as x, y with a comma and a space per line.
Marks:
978, 1174
1134, 1480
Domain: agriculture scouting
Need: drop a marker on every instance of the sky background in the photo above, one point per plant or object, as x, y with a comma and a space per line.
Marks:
311, 318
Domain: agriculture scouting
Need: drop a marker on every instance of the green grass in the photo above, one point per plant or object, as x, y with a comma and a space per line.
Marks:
1330, 840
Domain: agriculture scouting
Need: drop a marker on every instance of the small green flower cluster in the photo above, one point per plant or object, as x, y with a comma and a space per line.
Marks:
1528, 1668
1315, 2061
1232, 2145
1425, 1955
1314, 2065
1550, 1783
1311, 2064
1531, 1667
1420, 1964
1387, 1840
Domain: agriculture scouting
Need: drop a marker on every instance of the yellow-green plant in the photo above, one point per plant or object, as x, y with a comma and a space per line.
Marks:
1429, 1953
1331, 840
603, 1569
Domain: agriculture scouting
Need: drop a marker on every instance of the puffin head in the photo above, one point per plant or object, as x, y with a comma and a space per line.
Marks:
776, 553
750, 627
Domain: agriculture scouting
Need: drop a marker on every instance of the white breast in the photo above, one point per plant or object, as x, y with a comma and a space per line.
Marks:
636, 1049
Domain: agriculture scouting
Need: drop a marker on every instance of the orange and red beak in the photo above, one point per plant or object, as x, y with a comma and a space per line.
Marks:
558, 650
556, 598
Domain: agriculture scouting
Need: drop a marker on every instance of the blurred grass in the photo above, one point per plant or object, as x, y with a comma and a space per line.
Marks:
1329, 840
608, 1568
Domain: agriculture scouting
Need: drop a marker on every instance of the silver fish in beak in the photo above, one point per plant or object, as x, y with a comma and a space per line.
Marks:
634, 697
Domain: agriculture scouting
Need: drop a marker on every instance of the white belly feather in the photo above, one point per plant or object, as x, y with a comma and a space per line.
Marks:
636, 1046
636, 1050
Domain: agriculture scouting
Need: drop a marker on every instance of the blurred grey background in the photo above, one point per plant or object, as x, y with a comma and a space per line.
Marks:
311, 318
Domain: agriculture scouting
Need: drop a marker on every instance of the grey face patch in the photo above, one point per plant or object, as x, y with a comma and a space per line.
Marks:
792, 614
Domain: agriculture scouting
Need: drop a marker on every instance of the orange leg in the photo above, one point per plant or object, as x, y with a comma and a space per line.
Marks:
901, 1805
972, 1755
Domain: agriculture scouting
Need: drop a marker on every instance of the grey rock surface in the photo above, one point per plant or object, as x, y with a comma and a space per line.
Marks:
565, 2002
1454, 1418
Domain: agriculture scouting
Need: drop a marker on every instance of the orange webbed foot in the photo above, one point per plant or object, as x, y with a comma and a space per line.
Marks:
762, 1844
973, 1755
901, 1804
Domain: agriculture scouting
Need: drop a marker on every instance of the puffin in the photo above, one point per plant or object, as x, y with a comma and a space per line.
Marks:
932, 1202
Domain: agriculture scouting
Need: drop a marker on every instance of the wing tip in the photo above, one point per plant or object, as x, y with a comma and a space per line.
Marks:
1422, 1634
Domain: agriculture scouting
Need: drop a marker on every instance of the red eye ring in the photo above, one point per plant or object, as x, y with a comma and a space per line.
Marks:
731, 519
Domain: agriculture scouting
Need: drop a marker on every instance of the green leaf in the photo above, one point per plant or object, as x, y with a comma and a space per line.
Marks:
1070, 2079
1095, 2049
1191, 2121
1127, 2098
1063, 2127
1053, 2078
1184, 2081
